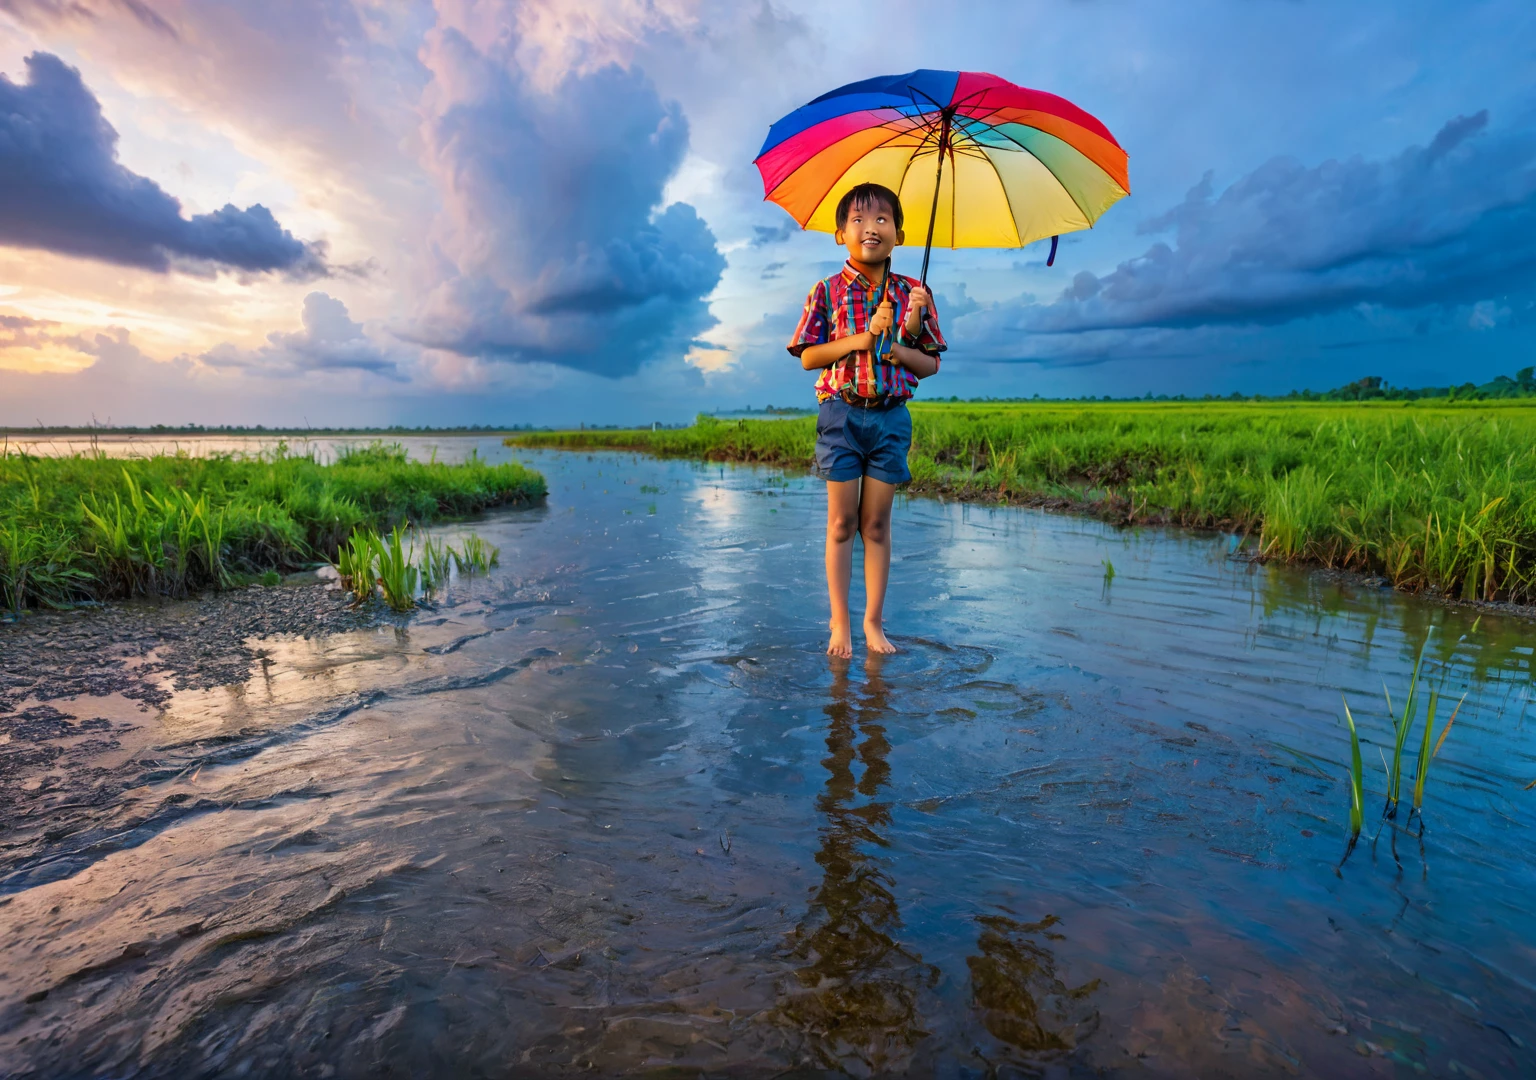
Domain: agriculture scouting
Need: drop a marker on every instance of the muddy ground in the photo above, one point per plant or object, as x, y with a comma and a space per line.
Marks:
59, 759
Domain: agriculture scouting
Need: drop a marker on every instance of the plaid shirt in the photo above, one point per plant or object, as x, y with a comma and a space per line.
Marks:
842, 306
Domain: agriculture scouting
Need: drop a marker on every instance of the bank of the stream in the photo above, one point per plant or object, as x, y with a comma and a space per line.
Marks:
92, 527
1435, 497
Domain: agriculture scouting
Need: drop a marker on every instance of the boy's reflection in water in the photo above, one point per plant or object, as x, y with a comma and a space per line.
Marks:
857, 994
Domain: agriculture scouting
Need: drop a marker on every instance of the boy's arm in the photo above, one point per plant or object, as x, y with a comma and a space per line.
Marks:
830, 352
921, 326
920, 363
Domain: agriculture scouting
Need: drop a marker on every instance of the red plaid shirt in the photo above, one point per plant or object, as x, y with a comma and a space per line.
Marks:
842, 306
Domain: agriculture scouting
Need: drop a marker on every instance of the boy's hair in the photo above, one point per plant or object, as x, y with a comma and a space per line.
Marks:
863, 196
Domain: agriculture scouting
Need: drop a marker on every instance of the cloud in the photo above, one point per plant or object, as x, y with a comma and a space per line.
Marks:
63, 190
330, 341
1442, 224
765, 235
24, 332
555, 248
48, 13
1438, 227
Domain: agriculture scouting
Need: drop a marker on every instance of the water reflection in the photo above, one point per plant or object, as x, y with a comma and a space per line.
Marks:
857, 995
1016, 991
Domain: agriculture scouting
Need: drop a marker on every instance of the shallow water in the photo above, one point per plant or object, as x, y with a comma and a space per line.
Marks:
610, 810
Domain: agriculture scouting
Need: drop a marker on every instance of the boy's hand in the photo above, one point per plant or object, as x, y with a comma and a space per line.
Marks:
881, 320
917, 303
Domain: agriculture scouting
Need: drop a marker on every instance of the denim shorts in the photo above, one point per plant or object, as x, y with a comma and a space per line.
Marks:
852, 442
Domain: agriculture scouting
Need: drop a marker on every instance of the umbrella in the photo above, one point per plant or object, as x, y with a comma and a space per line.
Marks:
976, 160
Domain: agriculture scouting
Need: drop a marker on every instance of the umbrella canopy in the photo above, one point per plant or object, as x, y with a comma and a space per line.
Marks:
976, 160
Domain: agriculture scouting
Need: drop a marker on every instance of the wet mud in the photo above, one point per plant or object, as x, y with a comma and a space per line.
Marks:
609, 811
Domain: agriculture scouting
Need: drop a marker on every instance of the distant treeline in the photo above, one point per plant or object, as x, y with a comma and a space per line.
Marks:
1371, 388
1522, 385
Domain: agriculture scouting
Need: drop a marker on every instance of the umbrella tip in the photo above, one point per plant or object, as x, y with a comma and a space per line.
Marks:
1050, 260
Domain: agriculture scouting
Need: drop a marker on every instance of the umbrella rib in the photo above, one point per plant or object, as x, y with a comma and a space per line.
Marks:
1008, 199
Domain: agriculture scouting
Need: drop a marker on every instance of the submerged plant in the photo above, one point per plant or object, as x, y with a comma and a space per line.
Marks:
435, 558
477, 556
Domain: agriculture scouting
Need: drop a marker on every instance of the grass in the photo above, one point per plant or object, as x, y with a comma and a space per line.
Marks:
1433, 496
371, 564
398, 575
89, 527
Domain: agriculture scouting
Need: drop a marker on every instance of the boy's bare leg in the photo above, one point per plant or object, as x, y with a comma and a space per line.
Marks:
842, 523
875, 527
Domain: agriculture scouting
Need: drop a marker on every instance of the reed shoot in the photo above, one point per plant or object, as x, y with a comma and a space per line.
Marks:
476, 556
1401, 726
435, 559
354, 562
397, 576
1356, 785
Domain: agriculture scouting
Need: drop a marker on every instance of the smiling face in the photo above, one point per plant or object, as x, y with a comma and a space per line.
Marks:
870, 233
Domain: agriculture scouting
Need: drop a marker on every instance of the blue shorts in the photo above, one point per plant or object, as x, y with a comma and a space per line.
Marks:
852, 442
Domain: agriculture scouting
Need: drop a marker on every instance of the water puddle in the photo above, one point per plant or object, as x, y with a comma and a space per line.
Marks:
610, 810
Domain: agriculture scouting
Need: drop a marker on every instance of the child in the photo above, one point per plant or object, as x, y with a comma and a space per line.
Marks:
867, 374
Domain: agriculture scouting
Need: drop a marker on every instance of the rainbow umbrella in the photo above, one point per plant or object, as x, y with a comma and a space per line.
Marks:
977, 161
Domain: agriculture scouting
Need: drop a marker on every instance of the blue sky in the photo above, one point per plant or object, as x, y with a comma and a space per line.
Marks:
487, 211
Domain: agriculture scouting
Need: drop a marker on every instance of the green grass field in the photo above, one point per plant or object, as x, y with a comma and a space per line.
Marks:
1434, 496
90, 527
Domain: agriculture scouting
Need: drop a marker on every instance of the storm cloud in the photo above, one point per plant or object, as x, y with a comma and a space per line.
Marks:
551, 223
1451, 223
62, 189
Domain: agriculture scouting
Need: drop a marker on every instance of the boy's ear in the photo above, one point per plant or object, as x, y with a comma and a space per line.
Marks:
901, 238
838, 236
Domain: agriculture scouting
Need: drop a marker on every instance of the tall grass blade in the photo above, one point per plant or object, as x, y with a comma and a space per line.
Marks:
1401, 726
1422, 772
1356, 785
1447, 729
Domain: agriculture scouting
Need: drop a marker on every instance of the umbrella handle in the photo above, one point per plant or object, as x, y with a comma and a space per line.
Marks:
881, 345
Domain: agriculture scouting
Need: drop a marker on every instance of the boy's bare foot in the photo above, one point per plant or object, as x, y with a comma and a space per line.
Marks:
841, 642
875, 639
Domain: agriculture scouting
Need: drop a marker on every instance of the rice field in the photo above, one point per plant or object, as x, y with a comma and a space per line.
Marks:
1434, 496
91, 527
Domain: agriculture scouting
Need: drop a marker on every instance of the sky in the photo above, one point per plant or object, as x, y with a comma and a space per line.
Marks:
372, 212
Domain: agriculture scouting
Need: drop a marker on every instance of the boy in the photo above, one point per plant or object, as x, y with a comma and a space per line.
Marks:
872, 334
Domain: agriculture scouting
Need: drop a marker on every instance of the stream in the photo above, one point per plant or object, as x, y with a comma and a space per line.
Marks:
609, 810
